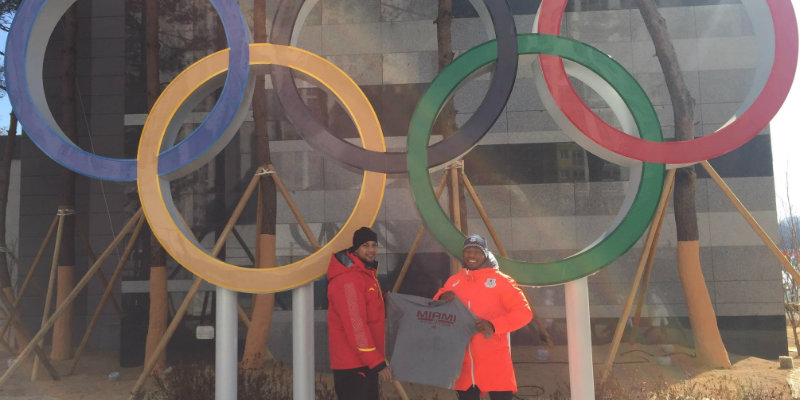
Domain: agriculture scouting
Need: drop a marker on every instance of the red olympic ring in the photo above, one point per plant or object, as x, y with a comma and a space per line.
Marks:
724, 140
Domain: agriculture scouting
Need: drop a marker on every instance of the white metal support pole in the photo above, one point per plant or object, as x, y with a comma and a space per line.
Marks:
303, 342
579, 340
226, 346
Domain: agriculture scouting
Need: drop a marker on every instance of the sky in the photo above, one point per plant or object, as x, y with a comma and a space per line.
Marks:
785, 132
784, 129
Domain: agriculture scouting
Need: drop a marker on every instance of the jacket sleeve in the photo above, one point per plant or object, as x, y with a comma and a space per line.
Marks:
518, 310
351, 306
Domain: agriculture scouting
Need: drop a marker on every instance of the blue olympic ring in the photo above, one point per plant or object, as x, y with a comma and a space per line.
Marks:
34, 23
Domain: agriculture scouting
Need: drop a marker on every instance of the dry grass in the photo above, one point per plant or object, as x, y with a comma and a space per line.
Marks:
196, 381
719, 388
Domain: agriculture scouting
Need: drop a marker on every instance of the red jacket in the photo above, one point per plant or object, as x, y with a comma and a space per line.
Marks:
356, 315
493, 296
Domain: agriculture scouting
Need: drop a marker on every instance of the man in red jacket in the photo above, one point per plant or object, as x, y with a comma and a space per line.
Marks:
501, 308
356, 318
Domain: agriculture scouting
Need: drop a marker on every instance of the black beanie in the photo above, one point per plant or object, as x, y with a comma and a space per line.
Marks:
363, 235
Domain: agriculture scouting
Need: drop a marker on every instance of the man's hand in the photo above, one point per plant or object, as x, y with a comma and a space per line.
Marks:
447, 296
386, 374
485, 327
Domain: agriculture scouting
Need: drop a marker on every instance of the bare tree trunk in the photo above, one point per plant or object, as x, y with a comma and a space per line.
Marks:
791, 309
444, 19
5, 179
62, 330
157, 322
794, 241
263, 304
708, 341
446, 123
789, 241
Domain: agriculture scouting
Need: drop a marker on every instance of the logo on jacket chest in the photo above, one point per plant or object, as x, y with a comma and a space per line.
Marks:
490, 283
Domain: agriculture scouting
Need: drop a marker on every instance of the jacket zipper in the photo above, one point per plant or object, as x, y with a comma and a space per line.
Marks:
469, 346
471, 361
375, 278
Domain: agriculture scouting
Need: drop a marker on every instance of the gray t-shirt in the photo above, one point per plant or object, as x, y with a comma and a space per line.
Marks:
428, 338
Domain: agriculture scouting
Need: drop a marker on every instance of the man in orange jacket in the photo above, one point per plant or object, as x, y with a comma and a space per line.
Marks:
501, 308
356, 320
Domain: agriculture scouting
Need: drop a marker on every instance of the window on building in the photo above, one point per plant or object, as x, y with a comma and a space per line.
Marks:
577, 157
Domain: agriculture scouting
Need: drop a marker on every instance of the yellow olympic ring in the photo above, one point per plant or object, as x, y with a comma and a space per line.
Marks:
157, 209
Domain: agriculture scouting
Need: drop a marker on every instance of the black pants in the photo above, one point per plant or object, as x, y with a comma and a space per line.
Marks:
474, 393
356, 384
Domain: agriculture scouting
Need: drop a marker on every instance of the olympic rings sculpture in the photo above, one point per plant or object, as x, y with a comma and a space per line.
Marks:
647, 155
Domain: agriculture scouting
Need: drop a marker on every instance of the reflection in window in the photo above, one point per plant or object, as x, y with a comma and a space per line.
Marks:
532, 163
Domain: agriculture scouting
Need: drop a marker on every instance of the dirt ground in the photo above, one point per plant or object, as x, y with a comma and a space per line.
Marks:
636, 368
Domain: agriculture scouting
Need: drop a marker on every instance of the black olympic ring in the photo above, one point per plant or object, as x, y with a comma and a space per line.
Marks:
453, 147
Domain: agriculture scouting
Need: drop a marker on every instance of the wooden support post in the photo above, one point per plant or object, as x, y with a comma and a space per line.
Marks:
400, 391
484, 216
100, 274
162, 345
176, 319
6, 346
9, 317
263, 304
50, 285
293, 207
626, 310
270, 170
14, 300
243, 316
39, 253
455, 207
407, 263
237, 211
107, 293
242, 243
23, 332
648, 270
37, 258
224, 236
189, 231
259, 221
23, 355
787, 266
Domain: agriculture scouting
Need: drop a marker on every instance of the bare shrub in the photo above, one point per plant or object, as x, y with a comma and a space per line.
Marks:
196, 381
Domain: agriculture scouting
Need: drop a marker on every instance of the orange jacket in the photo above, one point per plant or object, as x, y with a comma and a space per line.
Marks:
356, 314
493, 296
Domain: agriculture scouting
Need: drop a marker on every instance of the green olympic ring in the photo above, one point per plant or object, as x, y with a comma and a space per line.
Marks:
604, 250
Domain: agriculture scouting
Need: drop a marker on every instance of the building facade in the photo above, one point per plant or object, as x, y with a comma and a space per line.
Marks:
546, 196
